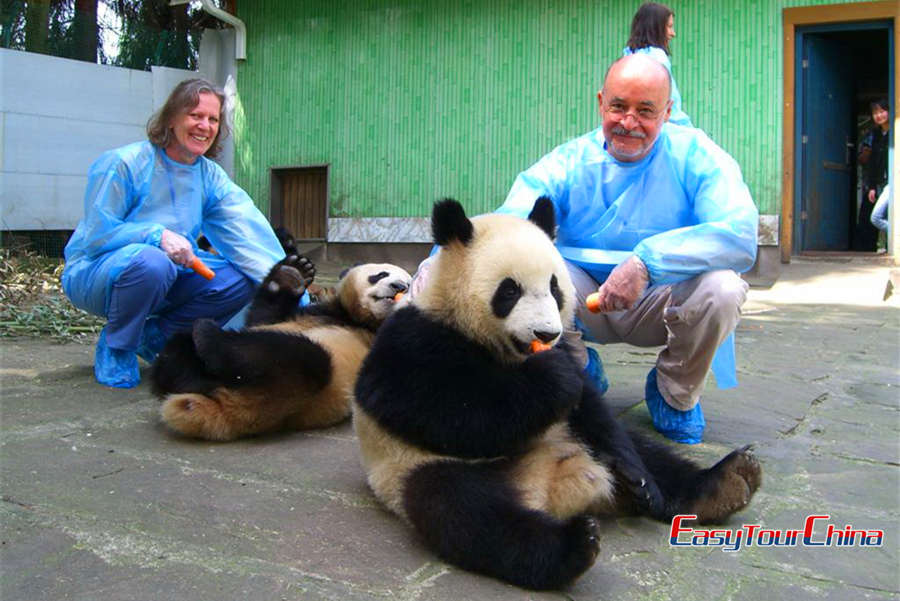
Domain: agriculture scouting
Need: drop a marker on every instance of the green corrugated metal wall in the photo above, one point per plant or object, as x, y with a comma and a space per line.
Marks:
412, 101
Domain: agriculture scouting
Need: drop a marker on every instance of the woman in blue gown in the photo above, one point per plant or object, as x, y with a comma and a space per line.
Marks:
144, 208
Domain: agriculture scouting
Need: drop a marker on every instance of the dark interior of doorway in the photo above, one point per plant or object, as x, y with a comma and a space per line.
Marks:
870, 51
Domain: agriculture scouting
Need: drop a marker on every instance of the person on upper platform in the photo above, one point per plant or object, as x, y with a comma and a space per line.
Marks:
652, 30
674, 206
144, 208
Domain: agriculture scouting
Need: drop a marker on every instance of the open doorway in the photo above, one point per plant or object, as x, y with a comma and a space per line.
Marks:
299, 201
842, 68
824, 79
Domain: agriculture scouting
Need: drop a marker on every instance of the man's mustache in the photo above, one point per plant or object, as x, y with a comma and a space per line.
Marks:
621, 131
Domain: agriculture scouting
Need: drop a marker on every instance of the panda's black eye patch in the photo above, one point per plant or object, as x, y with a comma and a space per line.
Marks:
374, 279
556, 292
505, 297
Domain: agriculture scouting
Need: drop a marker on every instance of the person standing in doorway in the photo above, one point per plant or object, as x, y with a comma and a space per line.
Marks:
873, 156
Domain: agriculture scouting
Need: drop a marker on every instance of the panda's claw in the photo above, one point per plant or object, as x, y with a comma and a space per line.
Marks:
646, 494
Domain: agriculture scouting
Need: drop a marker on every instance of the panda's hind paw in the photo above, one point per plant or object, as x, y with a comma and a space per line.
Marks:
306, 268
582, 540
560, 556
728, 487
290, 276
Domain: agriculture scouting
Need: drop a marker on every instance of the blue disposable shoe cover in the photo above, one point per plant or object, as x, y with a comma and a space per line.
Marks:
681, 426
114, 367
594, 371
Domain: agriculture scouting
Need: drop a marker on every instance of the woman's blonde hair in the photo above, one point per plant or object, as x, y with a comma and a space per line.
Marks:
183, 99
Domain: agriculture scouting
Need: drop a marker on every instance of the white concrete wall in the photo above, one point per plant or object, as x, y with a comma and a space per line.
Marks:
56, 117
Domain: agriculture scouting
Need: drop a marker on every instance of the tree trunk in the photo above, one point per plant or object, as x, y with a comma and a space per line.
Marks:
87, 33
37, 25
181, 49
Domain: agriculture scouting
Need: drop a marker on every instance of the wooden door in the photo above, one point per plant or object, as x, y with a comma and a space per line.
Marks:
300, 201
826, 189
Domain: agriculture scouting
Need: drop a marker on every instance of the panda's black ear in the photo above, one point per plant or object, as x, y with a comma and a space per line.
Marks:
449, 223
543, 215
346, 270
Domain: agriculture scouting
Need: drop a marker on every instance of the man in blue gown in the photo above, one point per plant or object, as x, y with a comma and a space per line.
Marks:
657, 220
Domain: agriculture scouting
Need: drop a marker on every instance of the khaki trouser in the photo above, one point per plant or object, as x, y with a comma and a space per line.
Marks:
691, 318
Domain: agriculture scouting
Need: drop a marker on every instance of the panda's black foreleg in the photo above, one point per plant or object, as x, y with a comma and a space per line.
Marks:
277, 297
469, 514
595, 425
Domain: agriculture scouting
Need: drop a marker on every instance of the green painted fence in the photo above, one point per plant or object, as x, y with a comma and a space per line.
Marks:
413, 101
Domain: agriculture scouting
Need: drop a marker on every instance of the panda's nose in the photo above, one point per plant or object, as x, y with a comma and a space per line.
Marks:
545, 336
398, 286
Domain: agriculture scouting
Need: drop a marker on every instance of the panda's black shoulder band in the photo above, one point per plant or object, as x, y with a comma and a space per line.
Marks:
449, 223
433, 387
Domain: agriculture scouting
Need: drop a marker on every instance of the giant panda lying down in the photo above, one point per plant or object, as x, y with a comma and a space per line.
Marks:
500, 458
291, 368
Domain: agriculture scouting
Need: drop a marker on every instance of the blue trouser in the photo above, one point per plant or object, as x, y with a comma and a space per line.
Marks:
152, 285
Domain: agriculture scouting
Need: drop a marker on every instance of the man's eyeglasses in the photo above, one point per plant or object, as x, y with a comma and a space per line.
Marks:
619, 112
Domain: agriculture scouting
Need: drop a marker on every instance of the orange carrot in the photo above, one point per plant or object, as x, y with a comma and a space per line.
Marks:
397, 297
593, 302
200, 267
537, 346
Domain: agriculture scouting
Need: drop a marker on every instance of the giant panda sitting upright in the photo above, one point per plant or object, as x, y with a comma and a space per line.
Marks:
291, 368
501, 457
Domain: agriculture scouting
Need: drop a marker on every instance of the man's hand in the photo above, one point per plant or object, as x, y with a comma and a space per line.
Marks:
420, 278
623, 287
176, 247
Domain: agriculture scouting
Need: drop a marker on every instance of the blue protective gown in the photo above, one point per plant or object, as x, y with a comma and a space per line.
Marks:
683, 209
136, 191
678, 116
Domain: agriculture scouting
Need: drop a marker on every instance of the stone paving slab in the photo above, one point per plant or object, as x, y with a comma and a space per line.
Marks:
99, 501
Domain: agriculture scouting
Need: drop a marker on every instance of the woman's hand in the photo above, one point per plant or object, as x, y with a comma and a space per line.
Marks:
871, 195
863, 157
176, 247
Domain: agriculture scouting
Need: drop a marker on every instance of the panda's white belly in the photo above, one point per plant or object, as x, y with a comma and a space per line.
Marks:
557, 475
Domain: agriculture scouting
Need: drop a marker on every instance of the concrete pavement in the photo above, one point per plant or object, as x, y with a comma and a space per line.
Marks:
101, 502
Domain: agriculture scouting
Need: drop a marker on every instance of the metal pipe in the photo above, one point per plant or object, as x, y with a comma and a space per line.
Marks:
240, 30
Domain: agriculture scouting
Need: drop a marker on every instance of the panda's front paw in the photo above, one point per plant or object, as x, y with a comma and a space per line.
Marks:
555, 378
290, 276
645, 494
